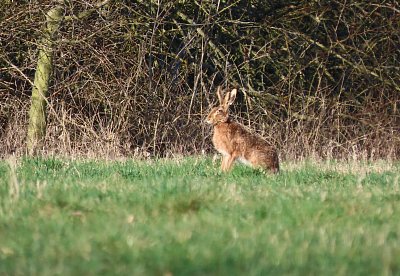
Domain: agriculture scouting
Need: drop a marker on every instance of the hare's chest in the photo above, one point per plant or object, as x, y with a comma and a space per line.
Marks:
221, 141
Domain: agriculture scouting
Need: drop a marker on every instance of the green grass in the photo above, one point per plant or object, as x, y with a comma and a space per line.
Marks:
65, 217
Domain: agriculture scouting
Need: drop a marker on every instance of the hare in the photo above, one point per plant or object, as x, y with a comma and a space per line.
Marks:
235, 141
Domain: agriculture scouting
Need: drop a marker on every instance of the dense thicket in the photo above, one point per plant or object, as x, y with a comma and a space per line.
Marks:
315, 77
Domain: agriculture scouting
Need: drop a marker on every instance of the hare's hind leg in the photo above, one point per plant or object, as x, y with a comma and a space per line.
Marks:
266, 161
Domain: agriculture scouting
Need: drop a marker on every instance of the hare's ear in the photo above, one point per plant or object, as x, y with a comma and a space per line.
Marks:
220, 95
232, 97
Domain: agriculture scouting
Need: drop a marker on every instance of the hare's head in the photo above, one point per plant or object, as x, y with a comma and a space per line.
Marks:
220, 114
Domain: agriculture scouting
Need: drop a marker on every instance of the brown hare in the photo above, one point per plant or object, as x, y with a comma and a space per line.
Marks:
235, 141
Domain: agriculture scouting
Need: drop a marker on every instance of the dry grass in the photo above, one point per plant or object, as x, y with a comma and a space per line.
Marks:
357, 167
134, 80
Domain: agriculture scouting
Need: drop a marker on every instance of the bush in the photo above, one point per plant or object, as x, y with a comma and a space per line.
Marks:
136, 77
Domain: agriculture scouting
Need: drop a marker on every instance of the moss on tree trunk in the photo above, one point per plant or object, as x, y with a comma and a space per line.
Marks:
44, 68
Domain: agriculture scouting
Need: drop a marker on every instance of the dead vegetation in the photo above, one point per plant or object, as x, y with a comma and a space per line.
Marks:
319, 78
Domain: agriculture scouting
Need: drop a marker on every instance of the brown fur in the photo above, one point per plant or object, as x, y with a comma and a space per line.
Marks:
235, 141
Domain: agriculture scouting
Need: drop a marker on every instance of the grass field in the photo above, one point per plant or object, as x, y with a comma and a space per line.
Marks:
183, 217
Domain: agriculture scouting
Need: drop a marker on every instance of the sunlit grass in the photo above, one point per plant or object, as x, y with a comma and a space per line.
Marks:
184, 217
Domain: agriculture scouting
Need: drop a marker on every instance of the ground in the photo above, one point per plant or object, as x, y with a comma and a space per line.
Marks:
184, 217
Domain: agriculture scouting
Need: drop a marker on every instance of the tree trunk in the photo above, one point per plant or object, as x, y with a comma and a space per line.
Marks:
37, 113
